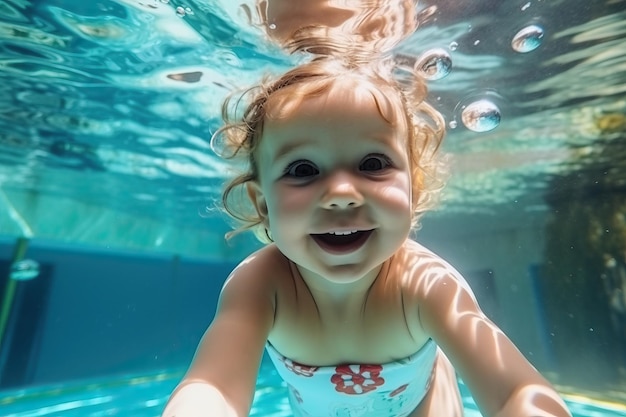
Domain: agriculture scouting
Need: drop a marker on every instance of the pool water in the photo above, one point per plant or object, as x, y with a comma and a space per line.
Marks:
145, 396
107, 107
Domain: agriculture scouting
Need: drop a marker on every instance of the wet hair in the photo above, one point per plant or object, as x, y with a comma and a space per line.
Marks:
242, 132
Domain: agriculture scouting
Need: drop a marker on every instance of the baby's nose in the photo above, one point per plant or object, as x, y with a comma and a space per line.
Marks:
342, 193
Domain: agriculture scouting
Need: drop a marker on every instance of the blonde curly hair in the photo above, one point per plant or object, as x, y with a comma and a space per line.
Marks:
239, 137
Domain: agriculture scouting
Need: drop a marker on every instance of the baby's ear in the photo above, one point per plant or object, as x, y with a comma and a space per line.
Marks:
257, 199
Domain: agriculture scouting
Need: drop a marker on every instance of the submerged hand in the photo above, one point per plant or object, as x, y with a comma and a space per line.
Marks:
198, 399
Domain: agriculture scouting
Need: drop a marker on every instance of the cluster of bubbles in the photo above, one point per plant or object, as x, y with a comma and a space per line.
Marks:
481, 114
182, 11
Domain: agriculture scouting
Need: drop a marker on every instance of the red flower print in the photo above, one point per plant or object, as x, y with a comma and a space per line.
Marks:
398, 390
357, 379
299, 369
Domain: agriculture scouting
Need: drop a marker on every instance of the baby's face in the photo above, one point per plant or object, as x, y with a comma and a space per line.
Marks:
333, 165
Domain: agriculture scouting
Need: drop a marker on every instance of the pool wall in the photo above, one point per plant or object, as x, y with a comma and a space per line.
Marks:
94, 313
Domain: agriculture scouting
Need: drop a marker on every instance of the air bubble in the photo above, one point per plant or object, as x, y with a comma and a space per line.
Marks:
434, 64
452, 124
24, 270
481, 116
453, 46
527, 39
272, 26
180, 11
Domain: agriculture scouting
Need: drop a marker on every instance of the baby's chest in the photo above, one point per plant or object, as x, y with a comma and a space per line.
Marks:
325, 338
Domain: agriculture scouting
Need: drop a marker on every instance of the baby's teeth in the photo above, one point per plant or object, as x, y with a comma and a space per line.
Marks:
344, 233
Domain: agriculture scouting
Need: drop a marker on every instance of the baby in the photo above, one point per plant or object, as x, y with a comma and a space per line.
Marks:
359, 319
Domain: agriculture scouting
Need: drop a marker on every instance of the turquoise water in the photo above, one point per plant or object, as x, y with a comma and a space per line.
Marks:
125, 94
145, 396
105, 111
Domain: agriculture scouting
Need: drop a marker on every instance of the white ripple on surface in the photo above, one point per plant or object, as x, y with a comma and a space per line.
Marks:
70, 405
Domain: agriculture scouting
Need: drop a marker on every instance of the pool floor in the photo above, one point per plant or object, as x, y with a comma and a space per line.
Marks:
145, 396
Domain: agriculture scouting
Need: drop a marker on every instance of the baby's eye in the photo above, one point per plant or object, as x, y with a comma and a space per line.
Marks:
301, 169
375, 163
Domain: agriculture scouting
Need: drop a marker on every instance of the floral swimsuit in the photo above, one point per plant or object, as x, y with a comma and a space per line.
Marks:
393, 389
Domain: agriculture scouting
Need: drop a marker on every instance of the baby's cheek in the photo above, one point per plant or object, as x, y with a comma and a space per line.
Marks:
294, 199
290, 203
398, 197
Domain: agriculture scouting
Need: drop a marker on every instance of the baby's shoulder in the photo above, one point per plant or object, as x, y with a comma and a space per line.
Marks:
412, 254
415, 263
421, 270
264, 266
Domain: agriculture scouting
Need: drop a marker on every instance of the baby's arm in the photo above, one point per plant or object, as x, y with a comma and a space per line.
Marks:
222, 377
198, 399
503, 383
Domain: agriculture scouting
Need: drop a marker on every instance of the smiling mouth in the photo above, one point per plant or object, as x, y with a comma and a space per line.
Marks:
340, 243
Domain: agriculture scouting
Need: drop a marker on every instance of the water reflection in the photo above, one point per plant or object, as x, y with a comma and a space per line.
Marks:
316, 26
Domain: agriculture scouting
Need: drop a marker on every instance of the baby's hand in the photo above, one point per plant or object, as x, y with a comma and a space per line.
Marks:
198, 399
